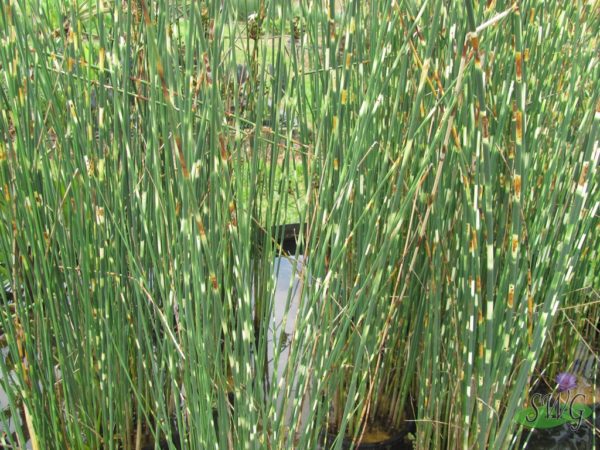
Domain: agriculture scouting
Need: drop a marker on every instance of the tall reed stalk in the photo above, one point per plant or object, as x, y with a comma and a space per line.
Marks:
441, 159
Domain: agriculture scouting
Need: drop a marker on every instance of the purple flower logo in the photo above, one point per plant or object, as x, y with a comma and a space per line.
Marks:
566, 381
